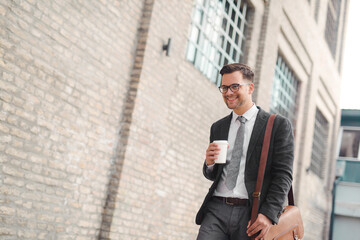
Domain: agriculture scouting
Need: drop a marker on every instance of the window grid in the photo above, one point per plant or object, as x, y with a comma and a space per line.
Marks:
332, 24
217, 35
319, 148
285, 88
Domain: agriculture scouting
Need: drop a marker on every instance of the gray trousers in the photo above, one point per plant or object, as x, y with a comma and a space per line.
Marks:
224, 222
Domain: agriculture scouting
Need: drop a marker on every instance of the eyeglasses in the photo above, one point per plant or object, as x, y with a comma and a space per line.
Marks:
233, 87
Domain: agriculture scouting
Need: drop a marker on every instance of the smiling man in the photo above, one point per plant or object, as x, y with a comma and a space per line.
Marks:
225, 212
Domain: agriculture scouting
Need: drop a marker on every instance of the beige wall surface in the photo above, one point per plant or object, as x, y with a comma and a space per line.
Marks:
64, 71
103, 136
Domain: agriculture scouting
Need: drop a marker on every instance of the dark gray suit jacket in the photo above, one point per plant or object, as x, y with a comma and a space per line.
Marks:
278, 172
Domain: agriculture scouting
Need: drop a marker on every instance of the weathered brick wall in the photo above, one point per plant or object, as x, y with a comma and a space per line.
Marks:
102, 134
162, 185
64, 73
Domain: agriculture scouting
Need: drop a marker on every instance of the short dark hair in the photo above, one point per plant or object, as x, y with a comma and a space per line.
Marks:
244, 69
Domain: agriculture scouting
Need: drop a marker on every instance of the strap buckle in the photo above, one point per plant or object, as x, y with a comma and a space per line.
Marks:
256, 194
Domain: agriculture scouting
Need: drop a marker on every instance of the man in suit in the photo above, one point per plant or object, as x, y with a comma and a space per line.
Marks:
225, 212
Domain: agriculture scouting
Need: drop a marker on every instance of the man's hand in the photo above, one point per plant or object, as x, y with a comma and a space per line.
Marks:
212, 153
262, 224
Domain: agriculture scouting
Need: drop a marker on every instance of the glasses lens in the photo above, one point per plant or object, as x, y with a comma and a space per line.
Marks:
235, 87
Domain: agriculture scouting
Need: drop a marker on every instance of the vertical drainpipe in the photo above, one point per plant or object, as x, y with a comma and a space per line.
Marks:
336, 182
261, 47
334, 152
125, 122
300, 163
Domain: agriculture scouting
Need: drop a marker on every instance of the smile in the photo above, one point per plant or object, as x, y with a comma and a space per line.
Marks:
231, 99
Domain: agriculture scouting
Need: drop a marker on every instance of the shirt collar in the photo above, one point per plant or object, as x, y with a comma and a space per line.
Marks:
247, 115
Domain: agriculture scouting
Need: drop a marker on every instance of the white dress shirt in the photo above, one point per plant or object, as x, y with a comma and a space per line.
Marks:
240, 190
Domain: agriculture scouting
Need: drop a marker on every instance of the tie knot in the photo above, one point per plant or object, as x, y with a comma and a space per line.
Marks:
241, 119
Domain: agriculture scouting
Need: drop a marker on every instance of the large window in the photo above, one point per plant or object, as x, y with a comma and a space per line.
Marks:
284, 93
350, 143
319, 147
217, 35
332, 24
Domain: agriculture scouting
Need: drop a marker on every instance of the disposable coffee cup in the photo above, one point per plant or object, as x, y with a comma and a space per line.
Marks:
223, 145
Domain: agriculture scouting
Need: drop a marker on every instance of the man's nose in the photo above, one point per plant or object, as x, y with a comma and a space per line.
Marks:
228, 92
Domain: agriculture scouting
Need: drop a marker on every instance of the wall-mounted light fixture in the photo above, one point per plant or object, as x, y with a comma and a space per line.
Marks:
166, 47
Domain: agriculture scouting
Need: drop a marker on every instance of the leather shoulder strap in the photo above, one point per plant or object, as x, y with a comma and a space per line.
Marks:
262, 165
261, 171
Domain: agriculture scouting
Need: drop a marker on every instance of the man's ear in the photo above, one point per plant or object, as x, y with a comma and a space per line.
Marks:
251, 88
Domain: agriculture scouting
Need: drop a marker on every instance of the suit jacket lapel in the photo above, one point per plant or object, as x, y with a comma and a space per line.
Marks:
223, 134
224, 128
260, 124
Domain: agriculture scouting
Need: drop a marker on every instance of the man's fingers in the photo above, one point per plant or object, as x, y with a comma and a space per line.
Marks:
263, 232
254, 228
213, 149
254, 231
213, 146
260, 236
211, 158
212, 154
262, 224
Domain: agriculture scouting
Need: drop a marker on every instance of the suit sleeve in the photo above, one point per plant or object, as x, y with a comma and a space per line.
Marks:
210, 173
281, 170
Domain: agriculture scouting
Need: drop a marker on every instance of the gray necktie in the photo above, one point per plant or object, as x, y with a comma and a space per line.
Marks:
234, 165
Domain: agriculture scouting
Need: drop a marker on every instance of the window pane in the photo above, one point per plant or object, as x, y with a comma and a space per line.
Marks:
237, 39
212, 54
350, 144
233, 14
239, 23
227, 7
191, 53
198, 16
228, 47
224, 24
198, 58
230, 31
194, 37
234, 56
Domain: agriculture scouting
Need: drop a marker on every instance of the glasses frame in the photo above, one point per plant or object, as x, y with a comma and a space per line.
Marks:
236, 85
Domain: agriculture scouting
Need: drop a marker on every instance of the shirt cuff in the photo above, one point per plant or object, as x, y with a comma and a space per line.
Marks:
210, 167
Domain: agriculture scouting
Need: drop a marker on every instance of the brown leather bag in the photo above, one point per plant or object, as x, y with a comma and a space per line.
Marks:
290, 225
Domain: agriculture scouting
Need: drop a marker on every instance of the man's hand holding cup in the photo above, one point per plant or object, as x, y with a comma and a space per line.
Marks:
216, 152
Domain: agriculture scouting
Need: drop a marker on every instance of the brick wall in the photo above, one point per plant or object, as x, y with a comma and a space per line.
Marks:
104, 136
64, 73
162, 185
